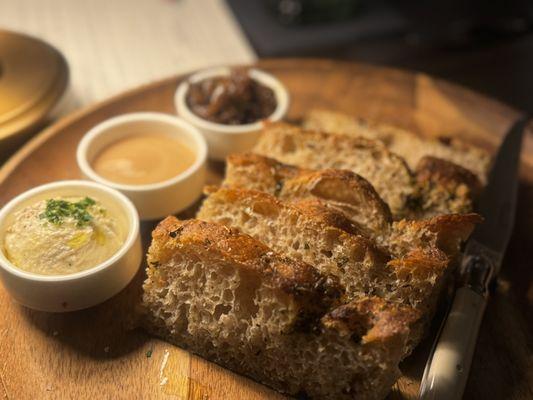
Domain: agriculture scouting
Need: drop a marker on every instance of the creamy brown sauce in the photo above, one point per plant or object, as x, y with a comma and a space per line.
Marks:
140, 159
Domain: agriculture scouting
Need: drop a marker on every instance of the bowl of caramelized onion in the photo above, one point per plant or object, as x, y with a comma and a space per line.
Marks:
230, 105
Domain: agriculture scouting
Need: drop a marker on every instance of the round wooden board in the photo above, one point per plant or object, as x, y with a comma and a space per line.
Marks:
96, 353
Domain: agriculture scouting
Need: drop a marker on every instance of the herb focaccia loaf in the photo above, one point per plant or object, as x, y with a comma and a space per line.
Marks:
231, 299
443, 188
318, 150
300, 276
308, 230
405, 143
344, 191
419, 194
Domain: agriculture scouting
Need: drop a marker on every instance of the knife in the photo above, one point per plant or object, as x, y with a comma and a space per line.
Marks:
447, 368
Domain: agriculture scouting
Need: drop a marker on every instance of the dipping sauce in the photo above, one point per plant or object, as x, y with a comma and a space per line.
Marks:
63, 235
143, 158
236, 99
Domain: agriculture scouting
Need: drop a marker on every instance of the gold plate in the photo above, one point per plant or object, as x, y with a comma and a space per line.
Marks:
33, 76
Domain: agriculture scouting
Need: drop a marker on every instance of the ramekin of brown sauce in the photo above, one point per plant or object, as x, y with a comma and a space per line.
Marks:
157, 160
229, 106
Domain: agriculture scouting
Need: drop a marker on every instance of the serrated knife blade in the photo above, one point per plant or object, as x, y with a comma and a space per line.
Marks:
448, 366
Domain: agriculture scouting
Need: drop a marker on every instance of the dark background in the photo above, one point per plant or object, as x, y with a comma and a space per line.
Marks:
484, 45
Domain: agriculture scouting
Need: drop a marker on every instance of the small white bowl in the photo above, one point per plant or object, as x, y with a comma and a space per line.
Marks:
156, 200
58, 293
222, 139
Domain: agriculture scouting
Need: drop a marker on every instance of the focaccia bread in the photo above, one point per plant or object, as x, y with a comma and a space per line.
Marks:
316, 271
318, 150
409, 194
231, 299
405, 143
343, 190
443, 188
308, 230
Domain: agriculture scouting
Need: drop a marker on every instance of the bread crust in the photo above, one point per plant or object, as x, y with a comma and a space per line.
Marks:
443, 232
443, 187
319, 221
315, 212
438, 186
319, 150
342, 190
371, 320
298, 190
446, 172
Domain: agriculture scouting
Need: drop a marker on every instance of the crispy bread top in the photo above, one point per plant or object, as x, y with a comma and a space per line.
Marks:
446, 173
343, 190
387, 172
408, 144
228, 243
443, 232
371, 320
315, 213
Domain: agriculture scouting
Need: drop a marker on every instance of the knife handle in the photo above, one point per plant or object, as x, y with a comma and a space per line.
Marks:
447, 373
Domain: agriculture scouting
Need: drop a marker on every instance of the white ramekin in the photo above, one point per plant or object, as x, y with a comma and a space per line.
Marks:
155, 200
58, 293
224, 140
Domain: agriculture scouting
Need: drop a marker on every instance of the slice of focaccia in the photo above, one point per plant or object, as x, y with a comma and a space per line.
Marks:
436, 186
405, 143
343, 191
232, 300
305, 232
444, 188
387, 172
309, 231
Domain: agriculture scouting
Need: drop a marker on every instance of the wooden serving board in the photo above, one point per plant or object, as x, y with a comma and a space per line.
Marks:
96, 353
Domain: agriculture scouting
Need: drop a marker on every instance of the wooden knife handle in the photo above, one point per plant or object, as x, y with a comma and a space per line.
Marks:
447, 373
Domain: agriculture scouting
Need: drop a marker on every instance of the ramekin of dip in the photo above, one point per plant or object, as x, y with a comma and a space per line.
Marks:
157, 160
68, 245
229, 106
